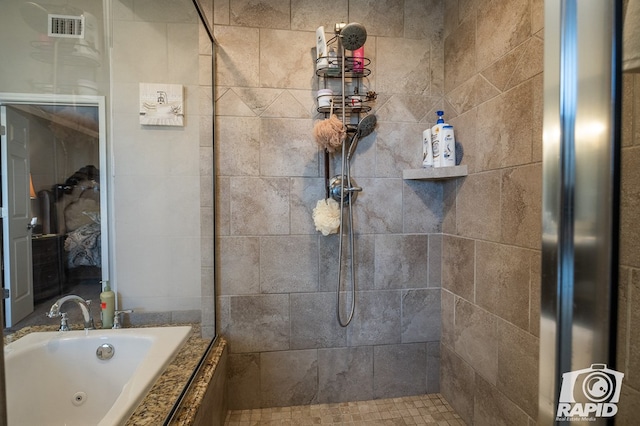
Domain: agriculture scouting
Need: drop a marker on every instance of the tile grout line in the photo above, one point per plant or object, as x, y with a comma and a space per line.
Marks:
421, 409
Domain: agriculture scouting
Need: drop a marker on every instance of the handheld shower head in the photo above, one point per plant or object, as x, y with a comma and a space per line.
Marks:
366, 126
364, 129
353, 36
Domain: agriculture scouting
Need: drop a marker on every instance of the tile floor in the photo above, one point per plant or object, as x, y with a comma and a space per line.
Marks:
430, 409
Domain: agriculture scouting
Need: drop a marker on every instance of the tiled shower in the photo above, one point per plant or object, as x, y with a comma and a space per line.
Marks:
448, 271
278, 275
491, 245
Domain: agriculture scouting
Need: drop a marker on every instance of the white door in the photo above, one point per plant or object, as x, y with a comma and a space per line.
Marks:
16, 215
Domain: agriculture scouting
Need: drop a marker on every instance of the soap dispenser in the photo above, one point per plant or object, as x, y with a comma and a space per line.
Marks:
107, 305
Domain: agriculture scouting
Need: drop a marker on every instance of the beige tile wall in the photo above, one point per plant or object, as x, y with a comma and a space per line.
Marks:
491, 273
489, 69
206, 166
629, 288
491, 268
276, 297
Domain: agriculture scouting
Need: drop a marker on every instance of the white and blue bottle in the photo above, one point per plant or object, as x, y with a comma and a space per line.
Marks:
427, 153
436, 141
447, 147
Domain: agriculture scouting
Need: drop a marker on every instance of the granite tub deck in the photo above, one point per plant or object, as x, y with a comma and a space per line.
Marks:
163, 395
206, 402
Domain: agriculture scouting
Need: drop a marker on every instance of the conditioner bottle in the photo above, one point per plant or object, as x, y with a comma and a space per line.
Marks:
436, 140
107, 306
447, 147
427, 153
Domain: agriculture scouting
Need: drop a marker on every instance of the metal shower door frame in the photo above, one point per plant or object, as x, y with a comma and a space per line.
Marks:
581, 184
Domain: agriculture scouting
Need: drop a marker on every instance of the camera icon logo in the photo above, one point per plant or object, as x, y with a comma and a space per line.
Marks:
590, 392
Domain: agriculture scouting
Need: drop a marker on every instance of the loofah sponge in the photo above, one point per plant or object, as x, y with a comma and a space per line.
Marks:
329, 133
326, 216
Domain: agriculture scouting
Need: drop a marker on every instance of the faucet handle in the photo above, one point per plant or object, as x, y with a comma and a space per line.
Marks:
52, 314
64, 324
116, 317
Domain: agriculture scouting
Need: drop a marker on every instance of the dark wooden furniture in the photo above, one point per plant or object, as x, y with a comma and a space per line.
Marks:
48, 269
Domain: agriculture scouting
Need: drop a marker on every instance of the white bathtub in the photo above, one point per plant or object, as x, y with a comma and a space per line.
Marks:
56, 378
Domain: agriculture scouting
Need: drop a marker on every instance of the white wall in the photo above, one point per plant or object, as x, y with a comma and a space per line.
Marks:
156, 169
28, 59
162, 176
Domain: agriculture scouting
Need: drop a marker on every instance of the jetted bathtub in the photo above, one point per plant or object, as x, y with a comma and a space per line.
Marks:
80, 378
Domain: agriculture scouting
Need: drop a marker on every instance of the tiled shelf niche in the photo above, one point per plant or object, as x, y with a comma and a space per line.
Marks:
435, 173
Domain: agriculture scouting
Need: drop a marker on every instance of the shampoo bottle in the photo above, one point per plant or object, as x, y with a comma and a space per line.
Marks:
436, 139
107, 306
321, 49
333, 61
427, 153
448, 147
358, 59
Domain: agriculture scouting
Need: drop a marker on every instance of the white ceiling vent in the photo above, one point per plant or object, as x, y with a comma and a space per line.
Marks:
66, 26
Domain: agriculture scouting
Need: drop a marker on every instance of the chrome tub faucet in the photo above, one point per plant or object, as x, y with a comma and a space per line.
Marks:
84, 305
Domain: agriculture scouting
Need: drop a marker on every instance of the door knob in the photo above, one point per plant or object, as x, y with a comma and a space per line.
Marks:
32, 224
